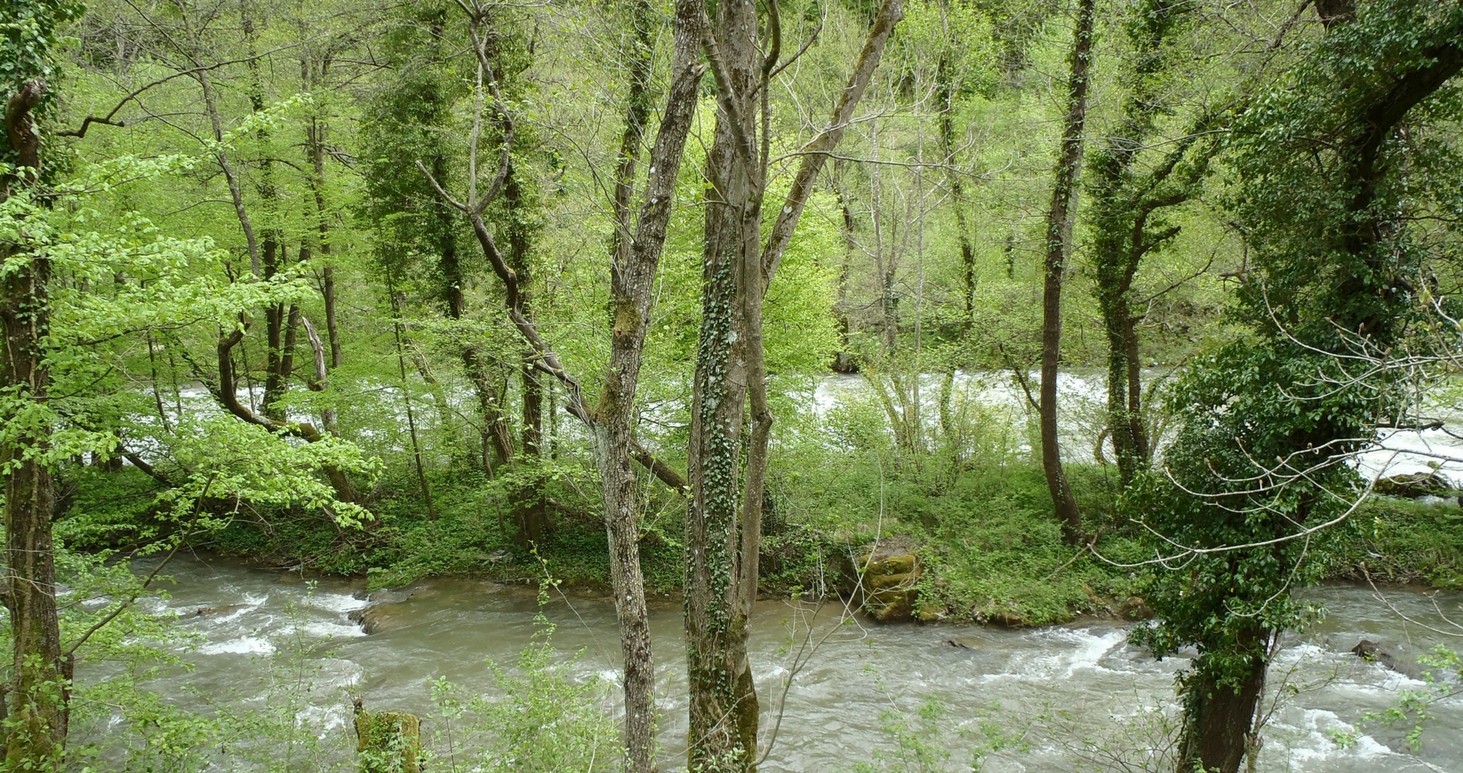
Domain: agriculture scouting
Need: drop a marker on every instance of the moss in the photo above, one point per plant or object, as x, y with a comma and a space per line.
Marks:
388, 741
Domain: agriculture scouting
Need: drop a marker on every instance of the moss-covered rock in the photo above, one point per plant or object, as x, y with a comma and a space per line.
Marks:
387, 741
882, 578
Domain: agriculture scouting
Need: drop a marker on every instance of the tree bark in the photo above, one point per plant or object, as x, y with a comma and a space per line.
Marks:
723, 699
529, 501
40, 680
1219, 712
1058, 239
632, 280
945, 92
723, 534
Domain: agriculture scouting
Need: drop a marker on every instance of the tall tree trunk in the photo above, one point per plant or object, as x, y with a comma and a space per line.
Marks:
945, 92
1058, 239
411, 419
530, 503
632, 278
723, 536
37, 713
315, 144
496, 431
273, 253
723, 701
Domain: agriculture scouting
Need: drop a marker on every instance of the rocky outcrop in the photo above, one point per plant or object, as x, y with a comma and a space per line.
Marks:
387, 609
882, 579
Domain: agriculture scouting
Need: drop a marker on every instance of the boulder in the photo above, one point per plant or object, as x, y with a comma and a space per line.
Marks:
381, 616
882, 579
1007, 619
387, 741
1135, 608
1388, 657
1414, 485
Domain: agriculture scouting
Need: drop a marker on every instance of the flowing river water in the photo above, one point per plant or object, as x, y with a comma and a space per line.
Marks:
1069, 691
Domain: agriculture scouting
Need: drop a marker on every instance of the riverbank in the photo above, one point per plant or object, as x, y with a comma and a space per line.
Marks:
987, 548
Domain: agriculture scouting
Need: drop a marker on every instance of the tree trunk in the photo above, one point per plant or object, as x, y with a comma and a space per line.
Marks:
945, 88
723, 535
1219, 714
315, 142
530, 503
496, 432
1058, 239
723, 700
36, 720
631, 284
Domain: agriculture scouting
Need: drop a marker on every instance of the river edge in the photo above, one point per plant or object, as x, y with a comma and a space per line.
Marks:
1112, 610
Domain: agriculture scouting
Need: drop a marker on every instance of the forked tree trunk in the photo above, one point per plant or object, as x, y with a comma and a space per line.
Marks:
631, 284
1058, 239
723, 700
35, 730
723, 534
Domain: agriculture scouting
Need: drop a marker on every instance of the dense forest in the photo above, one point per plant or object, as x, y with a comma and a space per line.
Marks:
934, 315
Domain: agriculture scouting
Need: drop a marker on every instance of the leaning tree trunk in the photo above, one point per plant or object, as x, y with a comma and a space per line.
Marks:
1058, 239
35, 729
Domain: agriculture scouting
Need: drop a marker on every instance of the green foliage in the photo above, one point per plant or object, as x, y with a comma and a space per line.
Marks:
539, 719
1241, 405
29, 35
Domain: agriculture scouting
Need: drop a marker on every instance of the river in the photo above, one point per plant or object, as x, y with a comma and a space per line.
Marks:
1070, 688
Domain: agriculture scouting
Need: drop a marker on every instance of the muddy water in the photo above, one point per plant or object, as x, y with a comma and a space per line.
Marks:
1069, 691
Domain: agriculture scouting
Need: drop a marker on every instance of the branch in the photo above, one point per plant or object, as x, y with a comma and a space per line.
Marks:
822, 145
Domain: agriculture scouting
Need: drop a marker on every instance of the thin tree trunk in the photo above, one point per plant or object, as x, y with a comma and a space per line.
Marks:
945, 88
1058, 238
315, 143
631, 285
497, 438
411, 419
1136, 427
529, 501
40, 688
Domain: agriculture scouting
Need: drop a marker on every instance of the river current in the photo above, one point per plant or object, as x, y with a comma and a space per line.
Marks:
1073, 695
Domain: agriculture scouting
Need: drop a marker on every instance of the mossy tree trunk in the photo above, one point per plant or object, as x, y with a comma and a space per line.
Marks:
724, 519
635, 250
1059, 220
35, 732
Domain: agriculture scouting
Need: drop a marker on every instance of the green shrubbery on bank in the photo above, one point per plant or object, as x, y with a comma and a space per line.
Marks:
990, 549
